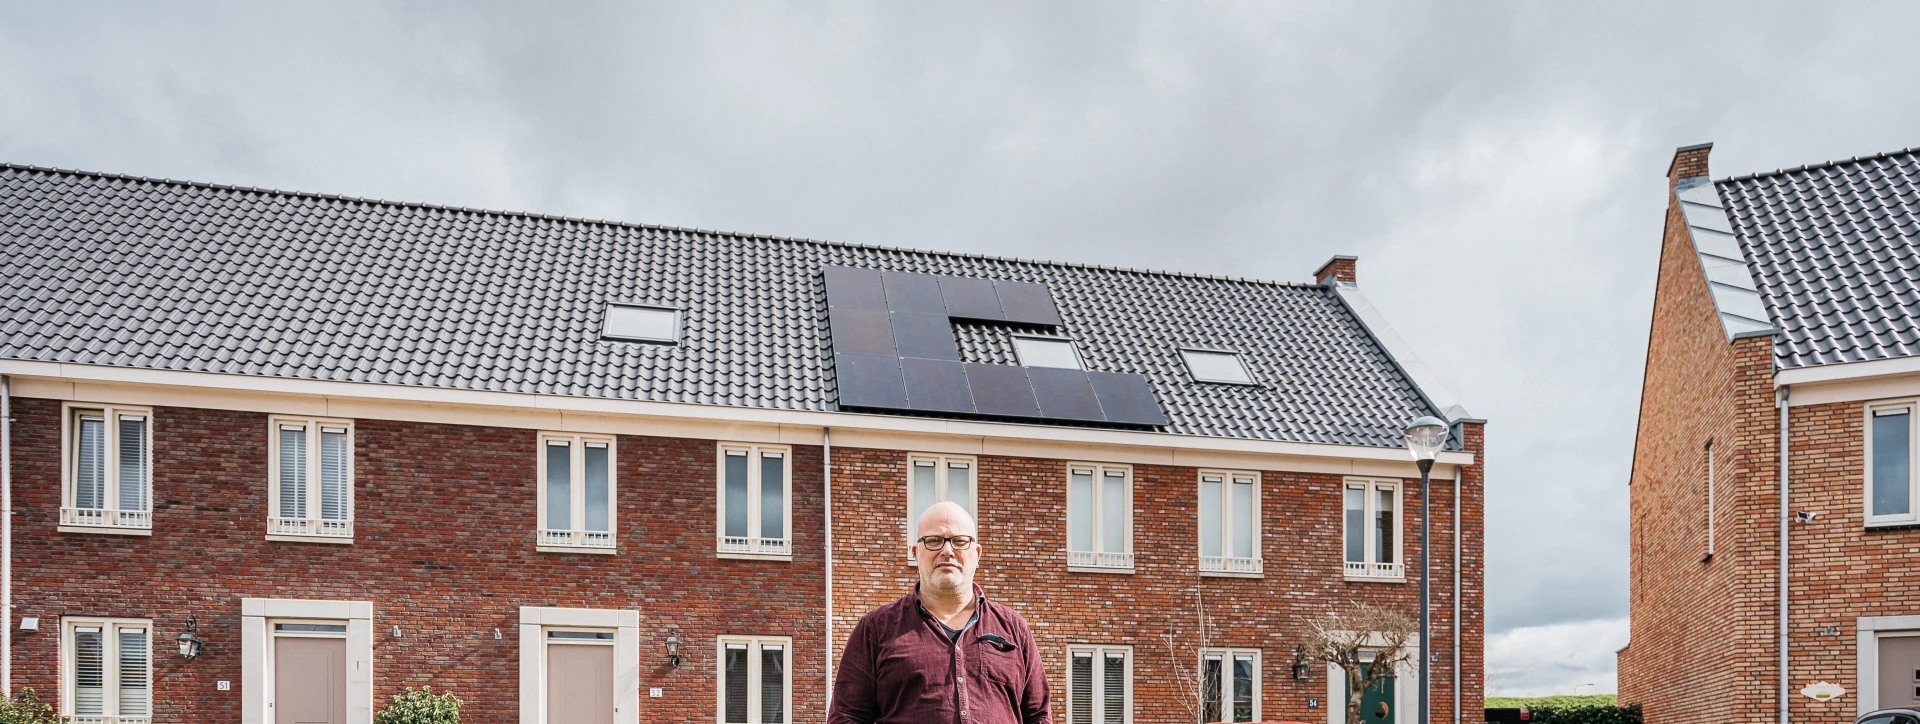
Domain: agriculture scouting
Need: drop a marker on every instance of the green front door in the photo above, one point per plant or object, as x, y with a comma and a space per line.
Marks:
1376, 705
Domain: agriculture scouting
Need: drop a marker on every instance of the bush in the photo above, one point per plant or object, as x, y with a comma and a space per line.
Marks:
26, 708
1629, 714
417, 706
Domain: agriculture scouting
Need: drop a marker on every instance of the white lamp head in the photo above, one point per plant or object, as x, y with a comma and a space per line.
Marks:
1426, 437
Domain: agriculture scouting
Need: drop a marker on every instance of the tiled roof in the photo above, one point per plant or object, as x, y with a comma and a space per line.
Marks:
111, 270
1835, 250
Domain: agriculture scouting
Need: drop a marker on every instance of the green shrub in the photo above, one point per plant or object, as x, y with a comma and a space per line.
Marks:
419, 706
26, 708
1629, 714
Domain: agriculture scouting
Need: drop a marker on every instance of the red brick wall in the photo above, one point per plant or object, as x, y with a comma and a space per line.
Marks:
444, 550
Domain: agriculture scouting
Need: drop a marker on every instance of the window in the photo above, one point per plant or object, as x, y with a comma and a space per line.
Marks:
1216, 366
1099, 685
756, 680
1709, 455
641, 324
1099, 517
108, 470
1046, 352
311, 494
1229, 522
1890, 484
756, 501
1230, 685
1373, 529
106, 672
576, 493
936, 479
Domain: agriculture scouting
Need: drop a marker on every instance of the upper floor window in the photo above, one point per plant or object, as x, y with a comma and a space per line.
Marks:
311, 494
756, 680
756, 501
1229, 522
641, 323
1372, 524
1229, 685
937, 479
108, 469
576, 492
1100, 517
1100, 684
1046, 352
1890, 486
1216, 366
106, 672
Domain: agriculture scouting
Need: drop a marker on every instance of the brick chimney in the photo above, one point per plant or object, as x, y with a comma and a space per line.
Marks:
1688, 162
1338, 269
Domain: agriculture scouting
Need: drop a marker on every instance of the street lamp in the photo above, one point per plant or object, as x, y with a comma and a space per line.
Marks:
1425, 437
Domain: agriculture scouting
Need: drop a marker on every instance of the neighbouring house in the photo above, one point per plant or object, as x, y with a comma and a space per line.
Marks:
583, 471
1784, 320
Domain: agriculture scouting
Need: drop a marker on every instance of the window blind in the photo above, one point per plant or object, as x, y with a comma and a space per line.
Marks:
135, 698
89, 670
1243, 518
1115, 691
736, 494
1080, 682
1356, 523
773, 684
559, 485
90, 464
596, 487
1113, 518
336, 487
293, 471
1210, 535
1383, 535
1080, 510
734, 678
133, 462
773, 488
960, 485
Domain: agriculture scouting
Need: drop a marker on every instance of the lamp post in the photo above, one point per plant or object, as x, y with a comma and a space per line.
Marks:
1425, 437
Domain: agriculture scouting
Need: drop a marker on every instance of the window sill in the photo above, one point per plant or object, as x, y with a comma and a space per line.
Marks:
577, 549
338, 540
1376, 579
104, 530
1227, 574
1894, 525
1096, 569
786, 557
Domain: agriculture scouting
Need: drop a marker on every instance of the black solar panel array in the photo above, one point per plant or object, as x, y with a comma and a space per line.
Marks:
894, 349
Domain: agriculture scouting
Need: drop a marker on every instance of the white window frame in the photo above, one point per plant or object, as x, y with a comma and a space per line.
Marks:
257, 635
606, 323
110, 669
110, 519
1079, 362
1369, 569
1226, 565
312, 528
1186, 360
576, 538
754, 644
942, 474
1096, 561
1227, 656
1913, 465
1099, 682
535, 622
753, 546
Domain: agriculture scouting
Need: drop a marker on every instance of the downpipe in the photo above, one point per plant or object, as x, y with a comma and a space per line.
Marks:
6, 534
1780, 400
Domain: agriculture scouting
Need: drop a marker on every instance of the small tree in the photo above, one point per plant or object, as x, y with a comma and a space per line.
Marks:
420, 706
1186, 676
26, 708
1344, 637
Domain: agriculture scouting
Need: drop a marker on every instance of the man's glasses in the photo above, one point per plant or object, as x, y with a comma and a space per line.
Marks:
936, 542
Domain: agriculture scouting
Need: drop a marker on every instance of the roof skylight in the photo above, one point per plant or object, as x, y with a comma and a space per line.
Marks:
1216, 366
1046, 352
641, 324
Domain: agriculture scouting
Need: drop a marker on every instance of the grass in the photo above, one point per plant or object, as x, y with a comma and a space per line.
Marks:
1552, 702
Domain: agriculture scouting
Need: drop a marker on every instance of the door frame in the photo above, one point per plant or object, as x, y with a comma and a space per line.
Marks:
536, 621
1868, 631
256, 652
1406, 701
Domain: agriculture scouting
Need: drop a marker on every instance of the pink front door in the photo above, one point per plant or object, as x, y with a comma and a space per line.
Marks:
579, 684
309, 680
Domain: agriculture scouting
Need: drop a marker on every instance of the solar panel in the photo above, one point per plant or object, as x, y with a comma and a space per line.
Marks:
1064, 394
1127, 398
969, 298
856, 288
927, 336
917, 293
1001, 390
860, 331
1026, 303
868, 380
936, 385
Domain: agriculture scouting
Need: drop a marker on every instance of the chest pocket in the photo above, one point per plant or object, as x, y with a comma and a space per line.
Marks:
1006, 668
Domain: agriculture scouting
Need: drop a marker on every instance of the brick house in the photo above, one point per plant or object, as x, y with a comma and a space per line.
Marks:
1784, 317
353, 446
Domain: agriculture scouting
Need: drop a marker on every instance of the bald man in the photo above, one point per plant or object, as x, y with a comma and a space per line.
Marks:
942, 653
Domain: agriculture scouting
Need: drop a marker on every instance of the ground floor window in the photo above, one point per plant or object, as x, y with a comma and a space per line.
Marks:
1230, 685
106, 670
1100, 685
756, 679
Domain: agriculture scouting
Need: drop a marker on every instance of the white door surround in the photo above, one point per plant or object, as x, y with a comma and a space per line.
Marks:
625, 626
256, 659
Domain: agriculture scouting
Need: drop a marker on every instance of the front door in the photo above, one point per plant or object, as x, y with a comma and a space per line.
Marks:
1899, 671
309, 680
580, 682
1376, 705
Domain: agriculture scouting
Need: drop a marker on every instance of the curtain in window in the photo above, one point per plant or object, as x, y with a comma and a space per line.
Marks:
1115, 691
293, 471
1113, 518
336, 488
90, 464
134, 696
773, 685
1892, 451
1080, 682
1356, 524
960, 485
925, 491
596, 487
1242, 518
1210, 689
1210, 518
1080, 510
1383, 537
773, 489
559, 485
89, 670
736, 493
1242, 688
734, 680
133, 462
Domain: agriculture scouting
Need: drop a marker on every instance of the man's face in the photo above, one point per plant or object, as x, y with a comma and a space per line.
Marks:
947, 569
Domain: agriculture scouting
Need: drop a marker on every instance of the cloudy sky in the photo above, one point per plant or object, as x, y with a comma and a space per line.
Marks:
1496, 167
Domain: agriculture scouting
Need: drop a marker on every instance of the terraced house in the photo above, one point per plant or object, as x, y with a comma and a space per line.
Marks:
275, 456
1776, 443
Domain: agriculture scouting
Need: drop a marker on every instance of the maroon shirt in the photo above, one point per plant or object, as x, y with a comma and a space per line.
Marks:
900, 668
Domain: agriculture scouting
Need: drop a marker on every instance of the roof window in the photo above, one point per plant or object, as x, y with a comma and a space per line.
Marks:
1046, 352
641, 324
1216, 366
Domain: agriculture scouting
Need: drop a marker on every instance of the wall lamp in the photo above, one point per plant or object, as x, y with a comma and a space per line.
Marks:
673, 649
1301, 667
190, 643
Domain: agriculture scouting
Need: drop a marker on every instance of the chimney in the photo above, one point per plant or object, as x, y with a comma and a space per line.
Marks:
1688, 162
1337, 269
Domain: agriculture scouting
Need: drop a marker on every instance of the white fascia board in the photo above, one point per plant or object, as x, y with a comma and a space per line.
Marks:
753, 415
1847, 371
1401, 353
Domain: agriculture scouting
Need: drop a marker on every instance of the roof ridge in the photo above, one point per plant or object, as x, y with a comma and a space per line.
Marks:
636, 225
1822, 164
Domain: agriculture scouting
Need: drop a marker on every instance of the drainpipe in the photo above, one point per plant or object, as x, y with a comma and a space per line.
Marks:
6, 534
826, 466
1785, 516
1456, 595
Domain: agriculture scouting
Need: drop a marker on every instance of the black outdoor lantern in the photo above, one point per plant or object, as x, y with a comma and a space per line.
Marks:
673, 649
190, 644
1301, 667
